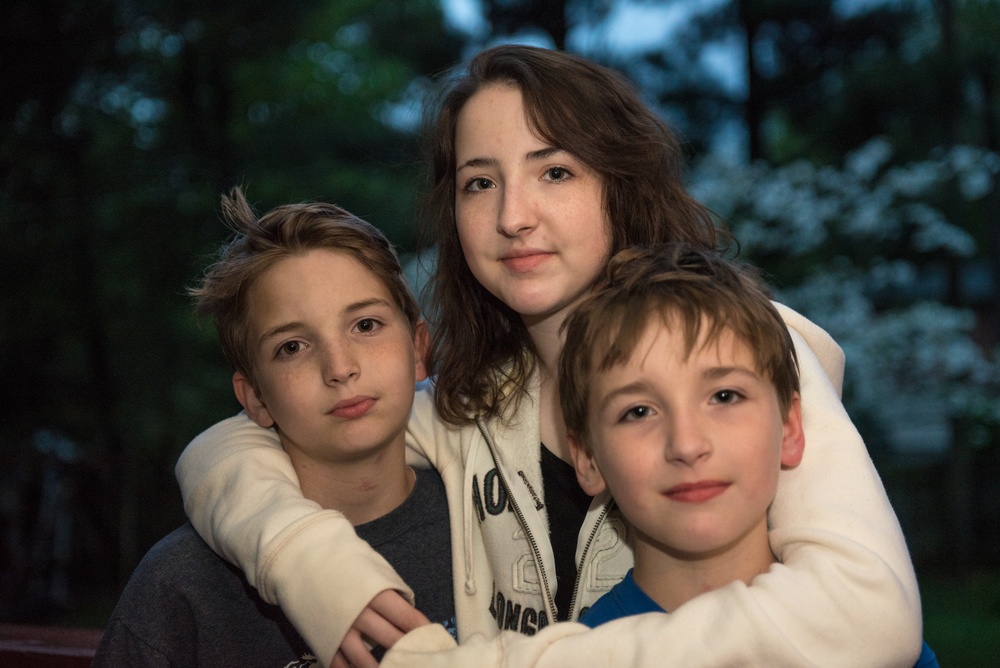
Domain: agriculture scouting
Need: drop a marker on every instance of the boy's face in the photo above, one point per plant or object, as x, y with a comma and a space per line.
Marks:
690, 449
336, 362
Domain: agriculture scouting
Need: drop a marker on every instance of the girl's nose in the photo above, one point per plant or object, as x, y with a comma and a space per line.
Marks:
515, 216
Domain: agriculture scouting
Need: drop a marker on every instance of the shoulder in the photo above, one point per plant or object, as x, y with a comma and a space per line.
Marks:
819, 342
158, 591
605, 609
180, 548
180, 565
174, 552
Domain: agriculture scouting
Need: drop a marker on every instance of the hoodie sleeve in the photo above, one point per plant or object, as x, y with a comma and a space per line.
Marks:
243, 497
845, 593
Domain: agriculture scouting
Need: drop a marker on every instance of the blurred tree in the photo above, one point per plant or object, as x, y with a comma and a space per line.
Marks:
509, 17
121, 123
848, 246
822, 78
977, 50
823, 81
803, 64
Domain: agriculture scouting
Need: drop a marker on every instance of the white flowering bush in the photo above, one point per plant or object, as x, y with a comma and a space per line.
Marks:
854, 249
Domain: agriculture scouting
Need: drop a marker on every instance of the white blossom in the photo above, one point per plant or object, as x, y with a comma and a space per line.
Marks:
845, 239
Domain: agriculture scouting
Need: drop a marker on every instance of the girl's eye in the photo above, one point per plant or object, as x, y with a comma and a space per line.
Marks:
289, 348
478, 184
557, 174
367, 326
636, 413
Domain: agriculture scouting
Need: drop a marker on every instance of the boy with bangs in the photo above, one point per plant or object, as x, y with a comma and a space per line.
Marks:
682, 400
312, 310
685, 406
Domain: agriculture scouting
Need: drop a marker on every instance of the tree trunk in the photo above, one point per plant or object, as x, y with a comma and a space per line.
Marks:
753, 108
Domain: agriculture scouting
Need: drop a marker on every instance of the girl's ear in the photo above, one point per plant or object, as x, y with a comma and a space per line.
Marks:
793, 441
421, 344
251, 401
587, 472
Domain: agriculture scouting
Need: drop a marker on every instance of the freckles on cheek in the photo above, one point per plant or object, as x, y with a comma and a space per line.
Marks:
300, 378
280, 382
466, 242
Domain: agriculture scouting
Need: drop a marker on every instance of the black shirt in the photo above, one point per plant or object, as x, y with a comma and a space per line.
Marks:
567, 505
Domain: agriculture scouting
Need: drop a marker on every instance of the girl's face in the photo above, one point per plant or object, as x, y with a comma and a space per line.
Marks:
530, 216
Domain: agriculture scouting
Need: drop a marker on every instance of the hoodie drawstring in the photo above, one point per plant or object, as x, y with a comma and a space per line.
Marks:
468, 512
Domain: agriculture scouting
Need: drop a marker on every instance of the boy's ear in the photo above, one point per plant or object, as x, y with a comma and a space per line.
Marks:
421, 344
587, 472
250, 400
793, 440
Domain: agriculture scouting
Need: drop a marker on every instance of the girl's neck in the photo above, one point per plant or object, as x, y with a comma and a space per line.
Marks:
547, 339
551, 425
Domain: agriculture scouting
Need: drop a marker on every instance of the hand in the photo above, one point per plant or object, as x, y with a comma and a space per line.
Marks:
386, 619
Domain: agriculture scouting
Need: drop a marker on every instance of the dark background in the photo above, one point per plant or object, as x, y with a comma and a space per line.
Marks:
854, 157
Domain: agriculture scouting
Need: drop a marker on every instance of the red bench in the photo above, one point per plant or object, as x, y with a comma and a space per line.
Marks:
47, 646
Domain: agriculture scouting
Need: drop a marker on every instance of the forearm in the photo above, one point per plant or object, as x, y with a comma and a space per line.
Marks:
732, 626
846, 571
243, 497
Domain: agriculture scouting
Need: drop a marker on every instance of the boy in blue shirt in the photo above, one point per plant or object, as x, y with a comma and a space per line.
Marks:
681, 397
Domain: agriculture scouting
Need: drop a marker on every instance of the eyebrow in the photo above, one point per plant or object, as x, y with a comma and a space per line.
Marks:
631, 388
366, 303
715, 372
530, 156
350, 309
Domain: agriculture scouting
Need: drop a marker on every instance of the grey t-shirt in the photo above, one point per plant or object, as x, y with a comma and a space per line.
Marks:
185, 606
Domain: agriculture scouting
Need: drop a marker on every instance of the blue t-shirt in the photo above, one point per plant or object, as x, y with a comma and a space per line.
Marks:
626, 598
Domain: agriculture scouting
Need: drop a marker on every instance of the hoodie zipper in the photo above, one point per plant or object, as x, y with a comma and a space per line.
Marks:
586, 550
543, 580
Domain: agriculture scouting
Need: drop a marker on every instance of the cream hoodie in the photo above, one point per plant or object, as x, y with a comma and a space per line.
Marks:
844, 592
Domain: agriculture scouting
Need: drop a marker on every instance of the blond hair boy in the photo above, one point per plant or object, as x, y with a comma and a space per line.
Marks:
312, 309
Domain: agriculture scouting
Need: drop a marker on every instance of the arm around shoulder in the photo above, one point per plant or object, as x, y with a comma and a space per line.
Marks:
433, 647
242, 496
846, 585
845, 594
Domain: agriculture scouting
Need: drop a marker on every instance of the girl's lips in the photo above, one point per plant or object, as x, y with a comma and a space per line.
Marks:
696, 492
352, 408
525, 260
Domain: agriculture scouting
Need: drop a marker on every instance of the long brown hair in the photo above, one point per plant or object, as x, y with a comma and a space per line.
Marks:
480, 351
